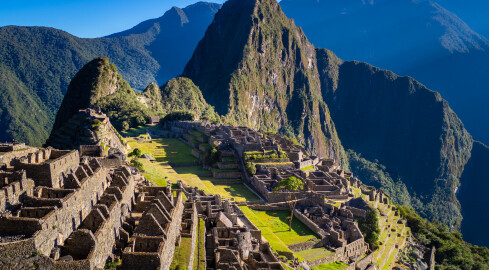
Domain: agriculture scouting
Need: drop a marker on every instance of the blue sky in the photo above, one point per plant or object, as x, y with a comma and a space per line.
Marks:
85, 18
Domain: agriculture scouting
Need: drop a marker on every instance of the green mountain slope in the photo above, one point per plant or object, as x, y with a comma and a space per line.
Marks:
98, 84
268, 78
181, 94
45, 60
406, 127
22, 114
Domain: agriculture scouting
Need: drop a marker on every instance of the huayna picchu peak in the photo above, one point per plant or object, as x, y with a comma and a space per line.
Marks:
269, 78
258, 151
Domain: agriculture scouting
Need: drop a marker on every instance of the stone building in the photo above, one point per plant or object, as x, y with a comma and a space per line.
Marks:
61, 211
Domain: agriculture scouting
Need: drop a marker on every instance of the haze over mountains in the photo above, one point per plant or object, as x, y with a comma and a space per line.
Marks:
420, 39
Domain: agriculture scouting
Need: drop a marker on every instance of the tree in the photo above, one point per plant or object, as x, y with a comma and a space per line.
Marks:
370, 228
291, 184
137, 164
136, 153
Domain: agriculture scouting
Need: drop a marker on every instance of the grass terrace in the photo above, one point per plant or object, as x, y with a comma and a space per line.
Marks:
275, 228
308, 168
181, 256
314, 253
331, 266
199, 258
160, 171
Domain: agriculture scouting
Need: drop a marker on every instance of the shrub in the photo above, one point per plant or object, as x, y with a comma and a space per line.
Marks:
178, 115
137, 164
136, 153
250, 168
370, 228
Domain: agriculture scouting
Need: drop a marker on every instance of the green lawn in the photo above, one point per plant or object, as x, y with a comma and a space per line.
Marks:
308, 168
199, 258
314, 253
331, 266
181, 256
134, 132
163, 150
275, 242
174, 151
275, 228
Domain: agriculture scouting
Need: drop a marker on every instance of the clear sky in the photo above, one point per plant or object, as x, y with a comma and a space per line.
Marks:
86, 18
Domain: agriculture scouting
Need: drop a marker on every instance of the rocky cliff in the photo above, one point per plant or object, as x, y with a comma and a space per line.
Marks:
258, 69
402, 124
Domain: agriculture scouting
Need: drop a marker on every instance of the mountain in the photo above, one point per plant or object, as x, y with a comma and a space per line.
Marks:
470, 12
402, 124
38, 64
401, 135
416, 38
181, 94
268, 78
97, 85
472, 195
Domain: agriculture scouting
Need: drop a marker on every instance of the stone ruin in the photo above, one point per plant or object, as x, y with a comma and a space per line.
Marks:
324, 182
63, 210
232, 241
89, 127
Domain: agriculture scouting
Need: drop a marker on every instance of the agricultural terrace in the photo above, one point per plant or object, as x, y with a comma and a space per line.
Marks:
174, 161
275, 229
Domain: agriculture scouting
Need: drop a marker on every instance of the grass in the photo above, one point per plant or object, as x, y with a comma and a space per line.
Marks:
331, 266
275, 228
163, 150
308, 168
199, 258
181, 256
275, 163
275, 242
134, 132
159, 171
314, 253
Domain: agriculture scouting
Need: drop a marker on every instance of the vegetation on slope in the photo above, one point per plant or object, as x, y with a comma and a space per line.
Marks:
181, 94
375, 174
42, 61
402, 124
22, 115
99, 84
472, 195
451, 251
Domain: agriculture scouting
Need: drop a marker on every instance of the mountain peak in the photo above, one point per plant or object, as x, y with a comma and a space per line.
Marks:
96, 80
268, 79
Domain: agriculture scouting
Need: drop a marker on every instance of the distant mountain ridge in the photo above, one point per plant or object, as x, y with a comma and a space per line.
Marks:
420, 39
41, 61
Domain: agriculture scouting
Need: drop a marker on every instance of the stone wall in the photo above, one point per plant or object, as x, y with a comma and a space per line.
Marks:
173, 232
8, 157
14, 187
49, 167
194, 233
226, 175
311, 225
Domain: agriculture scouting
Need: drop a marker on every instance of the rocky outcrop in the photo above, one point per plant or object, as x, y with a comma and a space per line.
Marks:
268, 78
